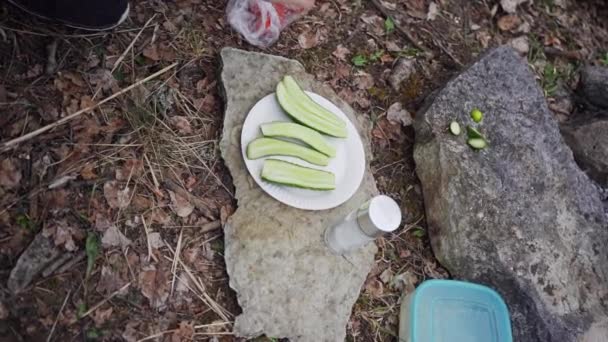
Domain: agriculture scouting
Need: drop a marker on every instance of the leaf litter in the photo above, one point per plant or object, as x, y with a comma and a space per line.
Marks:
123, 152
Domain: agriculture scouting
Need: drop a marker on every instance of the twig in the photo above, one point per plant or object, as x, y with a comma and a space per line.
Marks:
178, 249
102, 302
151, 337
6, 146
150, 255
65, 301
573, 55
124, 54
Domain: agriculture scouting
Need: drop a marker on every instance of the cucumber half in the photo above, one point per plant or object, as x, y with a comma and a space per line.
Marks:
281, 172
307, 103
303, 133
293, 107
263, 147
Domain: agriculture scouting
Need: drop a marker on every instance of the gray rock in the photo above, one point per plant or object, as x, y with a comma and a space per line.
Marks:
287, 281
40, 253
594, 85
588, 140
519, 216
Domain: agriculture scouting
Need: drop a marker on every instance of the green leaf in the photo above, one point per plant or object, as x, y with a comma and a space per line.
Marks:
376, 55
419, 233
359, 60
92, 250
93, 334
81, 309
389, 25
604, 60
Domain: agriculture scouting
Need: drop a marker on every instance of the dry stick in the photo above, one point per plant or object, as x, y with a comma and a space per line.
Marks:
150, 255
65, 301
102, 302
178, 250
124, 54
157, 335
6, 146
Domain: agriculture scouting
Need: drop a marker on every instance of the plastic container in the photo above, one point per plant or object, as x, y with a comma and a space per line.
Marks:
450, 310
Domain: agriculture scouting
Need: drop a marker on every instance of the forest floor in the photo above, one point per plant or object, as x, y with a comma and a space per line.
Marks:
134, 192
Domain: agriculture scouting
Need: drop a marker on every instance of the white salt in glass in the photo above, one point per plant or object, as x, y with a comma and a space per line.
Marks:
378, 216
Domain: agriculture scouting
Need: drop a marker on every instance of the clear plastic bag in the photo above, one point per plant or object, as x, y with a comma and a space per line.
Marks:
260, 22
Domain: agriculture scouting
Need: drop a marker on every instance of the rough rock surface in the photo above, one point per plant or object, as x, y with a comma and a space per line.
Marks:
287, 282
41, 252
594, 85
588, 140
519, 216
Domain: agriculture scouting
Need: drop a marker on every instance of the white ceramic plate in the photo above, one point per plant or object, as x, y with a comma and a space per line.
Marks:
348, 165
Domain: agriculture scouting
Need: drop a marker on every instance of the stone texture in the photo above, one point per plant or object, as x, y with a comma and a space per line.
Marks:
588, 139
287, 282
40, 253
519, 216
594, 85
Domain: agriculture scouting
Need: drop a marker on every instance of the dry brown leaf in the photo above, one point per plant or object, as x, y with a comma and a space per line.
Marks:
88, 171
508, 22
113, 237
63, 234
181, 206
115, 196
392, 46
131, 169
364, 80
399, 115
130, 334
184, 332
10, 175
141, 202
109, 281
341, 52
101, 316
225, 212
159, 216
181, 124
362, 99
154, 286
374, 288
309, 39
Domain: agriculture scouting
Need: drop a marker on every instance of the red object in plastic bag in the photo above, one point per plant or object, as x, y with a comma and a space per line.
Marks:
259, 21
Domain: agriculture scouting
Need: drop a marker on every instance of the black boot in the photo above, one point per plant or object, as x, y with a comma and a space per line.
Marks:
84, 14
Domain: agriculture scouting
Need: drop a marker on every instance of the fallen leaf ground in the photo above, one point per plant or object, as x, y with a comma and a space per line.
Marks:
136, 192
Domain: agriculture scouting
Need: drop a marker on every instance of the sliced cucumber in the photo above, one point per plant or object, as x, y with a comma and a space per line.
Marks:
474, 133
307, 103
455, 128
303, 133
281, 172
263, 147
293, 109
477, 143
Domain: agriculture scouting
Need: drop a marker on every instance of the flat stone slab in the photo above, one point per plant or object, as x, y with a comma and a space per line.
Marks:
288, 283
519, 216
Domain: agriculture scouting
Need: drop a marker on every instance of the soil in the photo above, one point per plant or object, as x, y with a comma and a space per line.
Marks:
147, 163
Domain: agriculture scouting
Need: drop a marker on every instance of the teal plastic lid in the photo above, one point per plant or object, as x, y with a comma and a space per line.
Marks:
450, 310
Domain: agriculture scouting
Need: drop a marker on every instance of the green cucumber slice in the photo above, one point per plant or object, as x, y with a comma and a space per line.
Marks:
303, 133
306, 103
474, 133
263, 147
455, 128
477, 143
285, 173
304, 117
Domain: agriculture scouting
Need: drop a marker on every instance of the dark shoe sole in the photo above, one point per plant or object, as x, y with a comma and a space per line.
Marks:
123, 17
